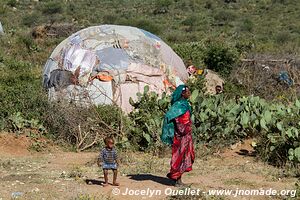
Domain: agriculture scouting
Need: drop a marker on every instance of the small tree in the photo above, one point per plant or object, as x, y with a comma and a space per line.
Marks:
162, 6
220, 58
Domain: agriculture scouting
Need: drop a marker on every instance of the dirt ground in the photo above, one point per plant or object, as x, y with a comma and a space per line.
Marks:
55, 174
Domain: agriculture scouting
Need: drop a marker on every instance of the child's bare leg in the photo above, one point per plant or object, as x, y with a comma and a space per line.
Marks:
115, 177
105, 172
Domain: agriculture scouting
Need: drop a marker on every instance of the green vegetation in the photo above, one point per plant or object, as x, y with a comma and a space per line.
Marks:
220, 122
220, 58
214, 34
147, 120
272, 26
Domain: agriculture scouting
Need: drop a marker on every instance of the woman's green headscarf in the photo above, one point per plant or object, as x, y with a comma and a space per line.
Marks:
177, 94
179, 106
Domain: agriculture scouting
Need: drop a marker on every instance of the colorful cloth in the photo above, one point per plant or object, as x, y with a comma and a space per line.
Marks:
59, 79
179, 107
75, 56
183, 154
109, 158
177, 131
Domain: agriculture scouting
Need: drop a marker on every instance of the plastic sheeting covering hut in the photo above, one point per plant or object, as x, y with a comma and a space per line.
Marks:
109, 64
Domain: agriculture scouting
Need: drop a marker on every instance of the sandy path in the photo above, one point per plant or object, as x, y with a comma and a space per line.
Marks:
52, 175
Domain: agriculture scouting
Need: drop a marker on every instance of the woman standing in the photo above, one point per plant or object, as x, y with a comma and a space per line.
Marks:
177, 131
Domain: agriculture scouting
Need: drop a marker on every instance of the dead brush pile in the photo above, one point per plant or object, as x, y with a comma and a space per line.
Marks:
83, 127
269, 78
54, 30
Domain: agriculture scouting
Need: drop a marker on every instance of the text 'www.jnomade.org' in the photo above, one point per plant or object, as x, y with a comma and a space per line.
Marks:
197, 192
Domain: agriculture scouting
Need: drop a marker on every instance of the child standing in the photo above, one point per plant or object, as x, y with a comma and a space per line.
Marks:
108, 158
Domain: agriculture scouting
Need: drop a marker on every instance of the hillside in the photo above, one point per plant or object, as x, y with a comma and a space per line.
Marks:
257, 113
270, 27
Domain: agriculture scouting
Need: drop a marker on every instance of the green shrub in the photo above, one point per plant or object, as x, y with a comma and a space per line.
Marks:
21, 90
197, 83
17, 123
72, 8
29, 43
282, 37
12, 3
52, 7
247, 25
3, 10
31, 19
163, 3
232, 90
147, 119
109, 19
148, 25
244, 47
279, 141
162, 6
224, 16
219, 122
280, 1
220, 57
145, 24
175, 37
191, 20
193, 51
208, 4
